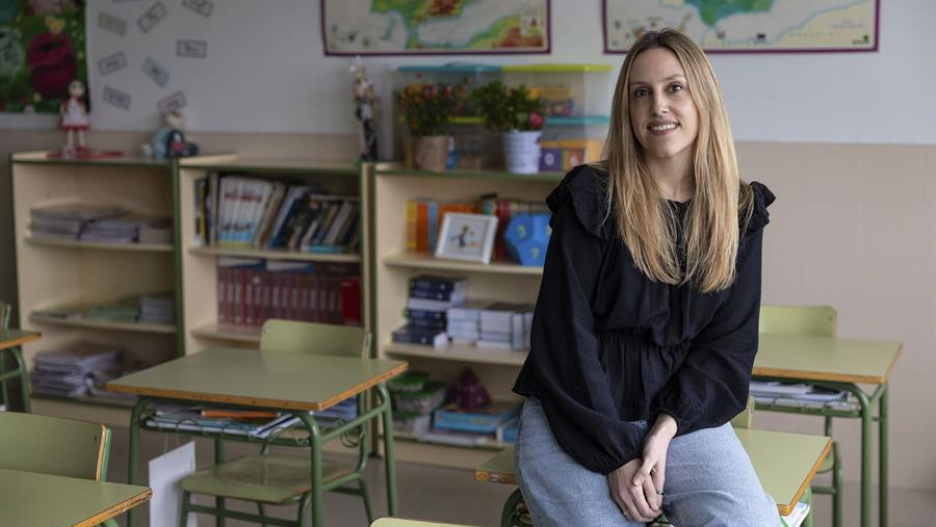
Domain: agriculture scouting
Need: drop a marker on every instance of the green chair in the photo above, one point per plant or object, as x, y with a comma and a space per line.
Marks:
19, 373
53, 445
280, 479
821, 321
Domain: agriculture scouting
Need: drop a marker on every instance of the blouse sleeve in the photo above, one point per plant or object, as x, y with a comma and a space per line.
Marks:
712, 385
570, 382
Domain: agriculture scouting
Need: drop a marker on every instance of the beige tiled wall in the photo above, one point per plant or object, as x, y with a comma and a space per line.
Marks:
854, 226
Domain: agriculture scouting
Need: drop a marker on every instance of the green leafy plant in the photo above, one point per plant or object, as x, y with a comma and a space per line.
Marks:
427, 108
504, 108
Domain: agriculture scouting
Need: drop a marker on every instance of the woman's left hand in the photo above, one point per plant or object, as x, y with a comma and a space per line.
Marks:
656, 445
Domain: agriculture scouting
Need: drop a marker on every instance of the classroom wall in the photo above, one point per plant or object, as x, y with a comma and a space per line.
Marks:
847, 142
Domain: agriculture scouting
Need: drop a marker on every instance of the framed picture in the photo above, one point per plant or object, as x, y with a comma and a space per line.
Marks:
468, 237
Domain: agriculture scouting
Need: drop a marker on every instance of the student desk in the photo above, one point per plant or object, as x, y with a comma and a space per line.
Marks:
10, 342
785, 464
296, 383
43, 500
840, 364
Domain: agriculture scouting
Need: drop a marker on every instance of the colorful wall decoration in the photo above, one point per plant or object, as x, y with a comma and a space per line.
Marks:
42, 49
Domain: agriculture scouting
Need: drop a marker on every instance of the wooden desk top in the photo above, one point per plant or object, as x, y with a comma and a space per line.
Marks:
248, 377
11, 338
785, 463
831, 359
42, 500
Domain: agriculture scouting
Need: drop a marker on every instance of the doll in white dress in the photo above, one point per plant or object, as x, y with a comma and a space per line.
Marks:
74, 119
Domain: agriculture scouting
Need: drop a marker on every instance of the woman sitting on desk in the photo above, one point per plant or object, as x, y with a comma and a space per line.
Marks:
645, 328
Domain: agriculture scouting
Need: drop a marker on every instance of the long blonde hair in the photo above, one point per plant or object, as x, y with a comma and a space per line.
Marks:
645, 222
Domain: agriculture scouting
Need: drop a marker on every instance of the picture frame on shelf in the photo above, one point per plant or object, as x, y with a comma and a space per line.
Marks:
467, 237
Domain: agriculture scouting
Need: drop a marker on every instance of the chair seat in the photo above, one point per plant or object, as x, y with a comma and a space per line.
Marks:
271, 478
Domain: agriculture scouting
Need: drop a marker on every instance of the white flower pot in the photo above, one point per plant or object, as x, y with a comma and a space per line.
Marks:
522, 151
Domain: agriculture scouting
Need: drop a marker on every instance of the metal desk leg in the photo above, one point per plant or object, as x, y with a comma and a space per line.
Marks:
219, 502
882, 443
17, 353
135, 453
315, 441
389, 460
865, 457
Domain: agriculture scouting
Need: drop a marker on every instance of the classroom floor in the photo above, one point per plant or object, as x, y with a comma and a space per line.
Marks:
438, 494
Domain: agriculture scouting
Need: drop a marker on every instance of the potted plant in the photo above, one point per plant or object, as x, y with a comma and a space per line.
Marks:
517, 113
427, 109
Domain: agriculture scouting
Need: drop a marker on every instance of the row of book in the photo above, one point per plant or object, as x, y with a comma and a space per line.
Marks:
99, 224
800, 395
255, 424
424, 220
252, 291
156, 308
430, 297
79, 370
238, 211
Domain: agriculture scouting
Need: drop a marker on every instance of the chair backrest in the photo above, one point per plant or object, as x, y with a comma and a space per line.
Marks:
820, 321
53, 445
290, 336
399, 522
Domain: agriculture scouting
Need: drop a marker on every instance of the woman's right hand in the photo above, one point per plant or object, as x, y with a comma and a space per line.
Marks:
639, 503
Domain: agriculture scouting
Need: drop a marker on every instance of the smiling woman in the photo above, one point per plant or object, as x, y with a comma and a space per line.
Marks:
645, 328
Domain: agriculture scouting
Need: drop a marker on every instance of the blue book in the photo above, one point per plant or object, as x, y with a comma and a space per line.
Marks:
482, 420
434, 324
432, 213
410, 335
421, 314
436, 283
433, 294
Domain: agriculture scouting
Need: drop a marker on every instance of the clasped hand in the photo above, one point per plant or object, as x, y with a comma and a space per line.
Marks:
637, 487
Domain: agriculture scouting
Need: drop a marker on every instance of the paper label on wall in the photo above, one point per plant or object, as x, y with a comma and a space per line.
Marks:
152, 17
202, 7
156, 72
116, 98
114, 24
112, 63
166, 473
191, 48
176, 101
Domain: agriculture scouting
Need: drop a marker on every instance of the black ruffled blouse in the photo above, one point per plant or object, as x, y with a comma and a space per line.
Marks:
609, 345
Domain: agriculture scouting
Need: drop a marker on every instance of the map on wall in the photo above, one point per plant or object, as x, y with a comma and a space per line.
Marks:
42, 49
748, 25
404, 27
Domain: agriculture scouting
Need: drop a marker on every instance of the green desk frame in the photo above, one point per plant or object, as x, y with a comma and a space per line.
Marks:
294, 383
29, 498
11, 341
841, 364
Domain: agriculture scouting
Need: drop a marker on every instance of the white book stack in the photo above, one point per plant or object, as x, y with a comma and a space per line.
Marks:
799, 395
67, 372
503, 326
464, 323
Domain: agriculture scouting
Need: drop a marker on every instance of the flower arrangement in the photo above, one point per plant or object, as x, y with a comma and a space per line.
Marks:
427, 108
505, 109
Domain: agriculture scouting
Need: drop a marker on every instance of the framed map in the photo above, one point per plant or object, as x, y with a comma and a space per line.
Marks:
424, 27
42, 49
780, 26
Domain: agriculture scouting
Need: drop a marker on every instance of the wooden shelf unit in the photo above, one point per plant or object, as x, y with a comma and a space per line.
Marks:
199, 264
390, 189
54, 273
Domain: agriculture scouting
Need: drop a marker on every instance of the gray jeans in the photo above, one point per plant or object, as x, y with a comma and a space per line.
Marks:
709, 481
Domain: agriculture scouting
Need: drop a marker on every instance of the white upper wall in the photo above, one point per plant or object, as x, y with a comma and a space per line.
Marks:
265, 72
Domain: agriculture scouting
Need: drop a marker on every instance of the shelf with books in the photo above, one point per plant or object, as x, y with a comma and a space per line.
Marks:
457, 352
268, 238
396, 265
275, 255
78, 244
98, 234
417, 260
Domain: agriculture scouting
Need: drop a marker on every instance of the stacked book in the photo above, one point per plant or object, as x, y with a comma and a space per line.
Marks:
505, 326
69, 371
463, 324
67, 221
799, 395
454, 425
126, 228
430, 298
158, 308
126, 310
156, 231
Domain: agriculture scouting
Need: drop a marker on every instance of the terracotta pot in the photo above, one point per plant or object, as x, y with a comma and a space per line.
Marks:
430, 152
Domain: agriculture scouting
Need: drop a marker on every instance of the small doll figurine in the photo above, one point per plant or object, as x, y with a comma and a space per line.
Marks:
366, 109
169, 140
74, 119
